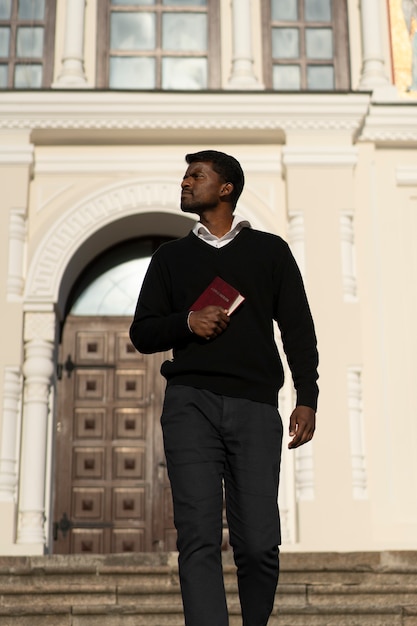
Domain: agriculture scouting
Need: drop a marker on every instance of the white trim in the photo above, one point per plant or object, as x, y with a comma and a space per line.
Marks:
406, 175
317, 155
92, 110
16, 154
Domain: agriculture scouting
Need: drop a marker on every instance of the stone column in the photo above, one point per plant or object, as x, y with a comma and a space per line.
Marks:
72, 73
373, 73
9, 430
38, 371
242, 76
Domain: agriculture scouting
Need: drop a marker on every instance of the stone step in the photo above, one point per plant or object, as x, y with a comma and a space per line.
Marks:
97, 615
356, 589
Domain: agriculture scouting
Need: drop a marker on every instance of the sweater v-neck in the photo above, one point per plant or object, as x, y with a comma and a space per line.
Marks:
214, 249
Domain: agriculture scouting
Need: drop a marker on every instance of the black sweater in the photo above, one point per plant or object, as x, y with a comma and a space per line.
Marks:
243, 361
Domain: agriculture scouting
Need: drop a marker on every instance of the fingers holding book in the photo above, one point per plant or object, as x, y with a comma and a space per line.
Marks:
209, 322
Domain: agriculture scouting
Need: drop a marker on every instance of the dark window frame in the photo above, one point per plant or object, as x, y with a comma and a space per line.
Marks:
213, 36
340, 61
47, 59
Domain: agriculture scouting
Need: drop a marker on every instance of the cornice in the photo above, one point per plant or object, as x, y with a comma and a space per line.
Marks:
391, 124
215, 112
94, 110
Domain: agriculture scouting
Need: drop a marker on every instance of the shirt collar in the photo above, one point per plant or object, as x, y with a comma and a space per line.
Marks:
237, 224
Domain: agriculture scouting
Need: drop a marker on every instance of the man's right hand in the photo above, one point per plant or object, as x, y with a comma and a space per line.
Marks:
209, 322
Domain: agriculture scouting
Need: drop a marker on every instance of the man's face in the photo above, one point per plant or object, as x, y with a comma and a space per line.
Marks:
200, 188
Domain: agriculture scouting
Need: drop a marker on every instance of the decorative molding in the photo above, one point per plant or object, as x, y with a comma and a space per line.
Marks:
17, 154
17, 240
121, 161
317, 155
91, 214
348, 256
357, 444
40, 326
391, 123
304, 473
296, 237
406, 175
12, 391
253, 111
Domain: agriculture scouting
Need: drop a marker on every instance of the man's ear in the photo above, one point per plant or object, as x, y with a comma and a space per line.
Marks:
226, 189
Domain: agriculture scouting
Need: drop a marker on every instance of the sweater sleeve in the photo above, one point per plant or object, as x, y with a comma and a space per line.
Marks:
156, 327
297, 331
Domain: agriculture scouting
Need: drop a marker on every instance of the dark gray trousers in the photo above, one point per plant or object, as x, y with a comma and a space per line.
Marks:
211, 440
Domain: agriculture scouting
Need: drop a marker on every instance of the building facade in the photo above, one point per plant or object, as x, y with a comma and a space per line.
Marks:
99, 102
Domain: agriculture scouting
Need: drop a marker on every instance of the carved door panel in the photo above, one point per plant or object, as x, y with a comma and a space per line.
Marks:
111, 493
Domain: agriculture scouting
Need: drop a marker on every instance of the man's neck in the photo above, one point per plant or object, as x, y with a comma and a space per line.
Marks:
217, 224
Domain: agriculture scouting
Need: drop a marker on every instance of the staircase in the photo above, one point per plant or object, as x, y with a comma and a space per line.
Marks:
316, 589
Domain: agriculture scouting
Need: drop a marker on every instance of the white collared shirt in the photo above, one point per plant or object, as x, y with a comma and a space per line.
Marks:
203, 233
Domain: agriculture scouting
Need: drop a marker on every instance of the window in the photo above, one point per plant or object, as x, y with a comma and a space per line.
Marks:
26, 43
111, 283
158, 44
306, 45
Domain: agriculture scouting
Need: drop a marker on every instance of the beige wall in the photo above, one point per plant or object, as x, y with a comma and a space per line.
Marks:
82, 170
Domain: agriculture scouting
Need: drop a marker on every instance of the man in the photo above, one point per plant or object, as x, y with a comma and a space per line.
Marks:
220, 421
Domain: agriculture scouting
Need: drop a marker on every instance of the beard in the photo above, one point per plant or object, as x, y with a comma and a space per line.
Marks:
189, 204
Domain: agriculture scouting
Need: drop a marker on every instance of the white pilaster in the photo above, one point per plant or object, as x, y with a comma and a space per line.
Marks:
304, 462
373, 73
8, 451
357, 448
347, 248
17, 239
242, 75
72, 73
304, 473
296, 237
38, 370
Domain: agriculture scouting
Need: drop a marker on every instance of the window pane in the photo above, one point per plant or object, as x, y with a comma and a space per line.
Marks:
318, 10
114, 292
3, 76
132, 72
5, 9
286, 77
285, 43
320, 77
190, 74
286, 10
319, 43
4, 41
30, 41
184, 31
132, 31
28, 76
133, 2
189, 3
31, 9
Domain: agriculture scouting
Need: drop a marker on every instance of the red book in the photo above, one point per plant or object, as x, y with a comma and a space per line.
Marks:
219, 293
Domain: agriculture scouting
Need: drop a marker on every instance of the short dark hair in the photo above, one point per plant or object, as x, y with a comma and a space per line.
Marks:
225, 165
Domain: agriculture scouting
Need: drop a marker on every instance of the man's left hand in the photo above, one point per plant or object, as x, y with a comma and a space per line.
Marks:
302, 426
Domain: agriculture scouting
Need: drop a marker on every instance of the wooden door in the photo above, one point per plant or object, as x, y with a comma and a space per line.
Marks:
111, 491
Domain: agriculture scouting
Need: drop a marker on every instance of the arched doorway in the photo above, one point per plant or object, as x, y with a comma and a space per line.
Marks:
111, 491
